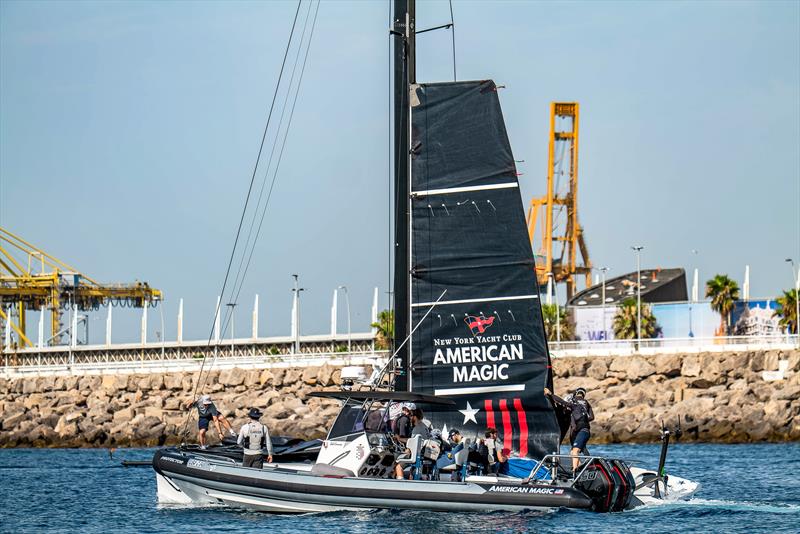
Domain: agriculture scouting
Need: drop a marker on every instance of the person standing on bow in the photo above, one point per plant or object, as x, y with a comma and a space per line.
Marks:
206, 413
581, 415
254, 438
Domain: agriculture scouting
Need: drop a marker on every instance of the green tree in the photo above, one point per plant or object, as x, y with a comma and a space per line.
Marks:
385, 327
564, 323
625, 319
723, 292
787, 311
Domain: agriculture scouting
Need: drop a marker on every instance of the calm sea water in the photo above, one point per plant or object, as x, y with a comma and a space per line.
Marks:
745, 488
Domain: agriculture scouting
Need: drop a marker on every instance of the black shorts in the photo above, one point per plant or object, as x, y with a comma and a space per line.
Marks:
580, 439
203, 422
253, 460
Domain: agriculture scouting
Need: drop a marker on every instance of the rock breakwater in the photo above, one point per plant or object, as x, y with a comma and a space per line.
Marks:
721, 397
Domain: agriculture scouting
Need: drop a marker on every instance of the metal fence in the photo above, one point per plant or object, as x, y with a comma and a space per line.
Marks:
264, 349
316, 350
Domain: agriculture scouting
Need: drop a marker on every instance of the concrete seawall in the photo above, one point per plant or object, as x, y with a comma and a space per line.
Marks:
724, 397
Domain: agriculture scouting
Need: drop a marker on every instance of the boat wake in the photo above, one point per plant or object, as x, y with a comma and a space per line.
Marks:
722, 505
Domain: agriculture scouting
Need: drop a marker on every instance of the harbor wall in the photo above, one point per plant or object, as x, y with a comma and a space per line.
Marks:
735, 397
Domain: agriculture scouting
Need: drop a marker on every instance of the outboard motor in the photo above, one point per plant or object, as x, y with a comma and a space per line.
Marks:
608, 483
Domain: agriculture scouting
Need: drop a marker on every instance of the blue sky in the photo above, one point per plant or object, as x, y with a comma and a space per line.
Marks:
128, 132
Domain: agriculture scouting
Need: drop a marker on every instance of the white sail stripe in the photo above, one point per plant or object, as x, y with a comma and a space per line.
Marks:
469, 301
483, 389
463, 189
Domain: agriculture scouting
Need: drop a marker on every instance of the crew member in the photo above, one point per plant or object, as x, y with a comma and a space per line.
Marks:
453, 445
254, 438
488, 450
581, 415
207, 412
501, 464
403, 426
418, 428
394, 413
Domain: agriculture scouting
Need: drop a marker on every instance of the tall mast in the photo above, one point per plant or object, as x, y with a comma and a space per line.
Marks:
404, 75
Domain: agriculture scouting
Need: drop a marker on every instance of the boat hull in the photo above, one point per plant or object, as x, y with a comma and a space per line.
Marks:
675, 488
187, 479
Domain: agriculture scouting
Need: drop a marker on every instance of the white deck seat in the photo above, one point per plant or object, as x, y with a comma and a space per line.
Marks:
414, 445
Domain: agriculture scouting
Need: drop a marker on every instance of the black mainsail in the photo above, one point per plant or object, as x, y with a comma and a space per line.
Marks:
483, 344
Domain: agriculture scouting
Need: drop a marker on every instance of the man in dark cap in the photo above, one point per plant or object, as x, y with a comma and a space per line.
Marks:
581, 415
206, 413
254, 437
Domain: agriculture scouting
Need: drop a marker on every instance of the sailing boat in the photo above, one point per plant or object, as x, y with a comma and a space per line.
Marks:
471, 343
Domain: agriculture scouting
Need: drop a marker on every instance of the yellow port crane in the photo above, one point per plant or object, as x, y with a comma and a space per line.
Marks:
55, 288
559, 227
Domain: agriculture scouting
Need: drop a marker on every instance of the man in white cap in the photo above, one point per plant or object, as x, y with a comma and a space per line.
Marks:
207, 412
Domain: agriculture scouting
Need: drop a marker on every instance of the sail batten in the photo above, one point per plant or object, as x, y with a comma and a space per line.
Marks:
452, 190
484, 346
469, 301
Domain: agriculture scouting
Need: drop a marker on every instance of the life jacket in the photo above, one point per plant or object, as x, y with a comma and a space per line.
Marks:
255, 439
580, 415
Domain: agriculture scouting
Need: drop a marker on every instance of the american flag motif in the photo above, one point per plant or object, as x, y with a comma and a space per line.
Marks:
509, 422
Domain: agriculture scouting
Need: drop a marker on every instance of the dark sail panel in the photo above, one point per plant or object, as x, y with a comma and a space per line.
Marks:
483, 345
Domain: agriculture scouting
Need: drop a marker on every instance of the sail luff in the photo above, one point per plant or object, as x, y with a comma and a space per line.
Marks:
403, 73
484, 344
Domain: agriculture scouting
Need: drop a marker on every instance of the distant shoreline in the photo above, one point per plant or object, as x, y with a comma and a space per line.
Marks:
736, 397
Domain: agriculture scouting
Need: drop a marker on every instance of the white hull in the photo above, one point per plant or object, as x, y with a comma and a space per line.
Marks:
677, 488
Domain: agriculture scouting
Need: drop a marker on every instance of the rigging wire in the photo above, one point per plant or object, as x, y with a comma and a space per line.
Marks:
283, 146
238, 290
257, 209
453, 35
246, 202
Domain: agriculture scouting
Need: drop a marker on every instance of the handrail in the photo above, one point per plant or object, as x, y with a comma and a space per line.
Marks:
577, 477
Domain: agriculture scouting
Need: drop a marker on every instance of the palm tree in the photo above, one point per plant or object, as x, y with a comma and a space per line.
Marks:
624, 324
564, 323
787, 311
385, 330
724, 292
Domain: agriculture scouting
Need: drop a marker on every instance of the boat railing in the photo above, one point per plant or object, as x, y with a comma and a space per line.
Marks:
553, 461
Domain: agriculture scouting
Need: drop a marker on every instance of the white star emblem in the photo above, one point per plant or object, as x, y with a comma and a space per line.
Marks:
469, 414
444, 430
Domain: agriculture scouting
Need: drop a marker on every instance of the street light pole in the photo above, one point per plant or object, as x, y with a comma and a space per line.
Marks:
347, 303
695, 291
796, 281
232, 306
296, 290
558, 310
603, 271
638, 250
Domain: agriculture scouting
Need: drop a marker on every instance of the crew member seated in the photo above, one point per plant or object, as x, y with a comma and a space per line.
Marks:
447, 461
501, 461
418, 429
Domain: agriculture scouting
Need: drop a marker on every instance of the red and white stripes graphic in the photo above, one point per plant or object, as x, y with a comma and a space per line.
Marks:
506, 418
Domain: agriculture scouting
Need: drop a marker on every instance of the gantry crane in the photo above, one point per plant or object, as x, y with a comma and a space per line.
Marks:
55, 288
558, 227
